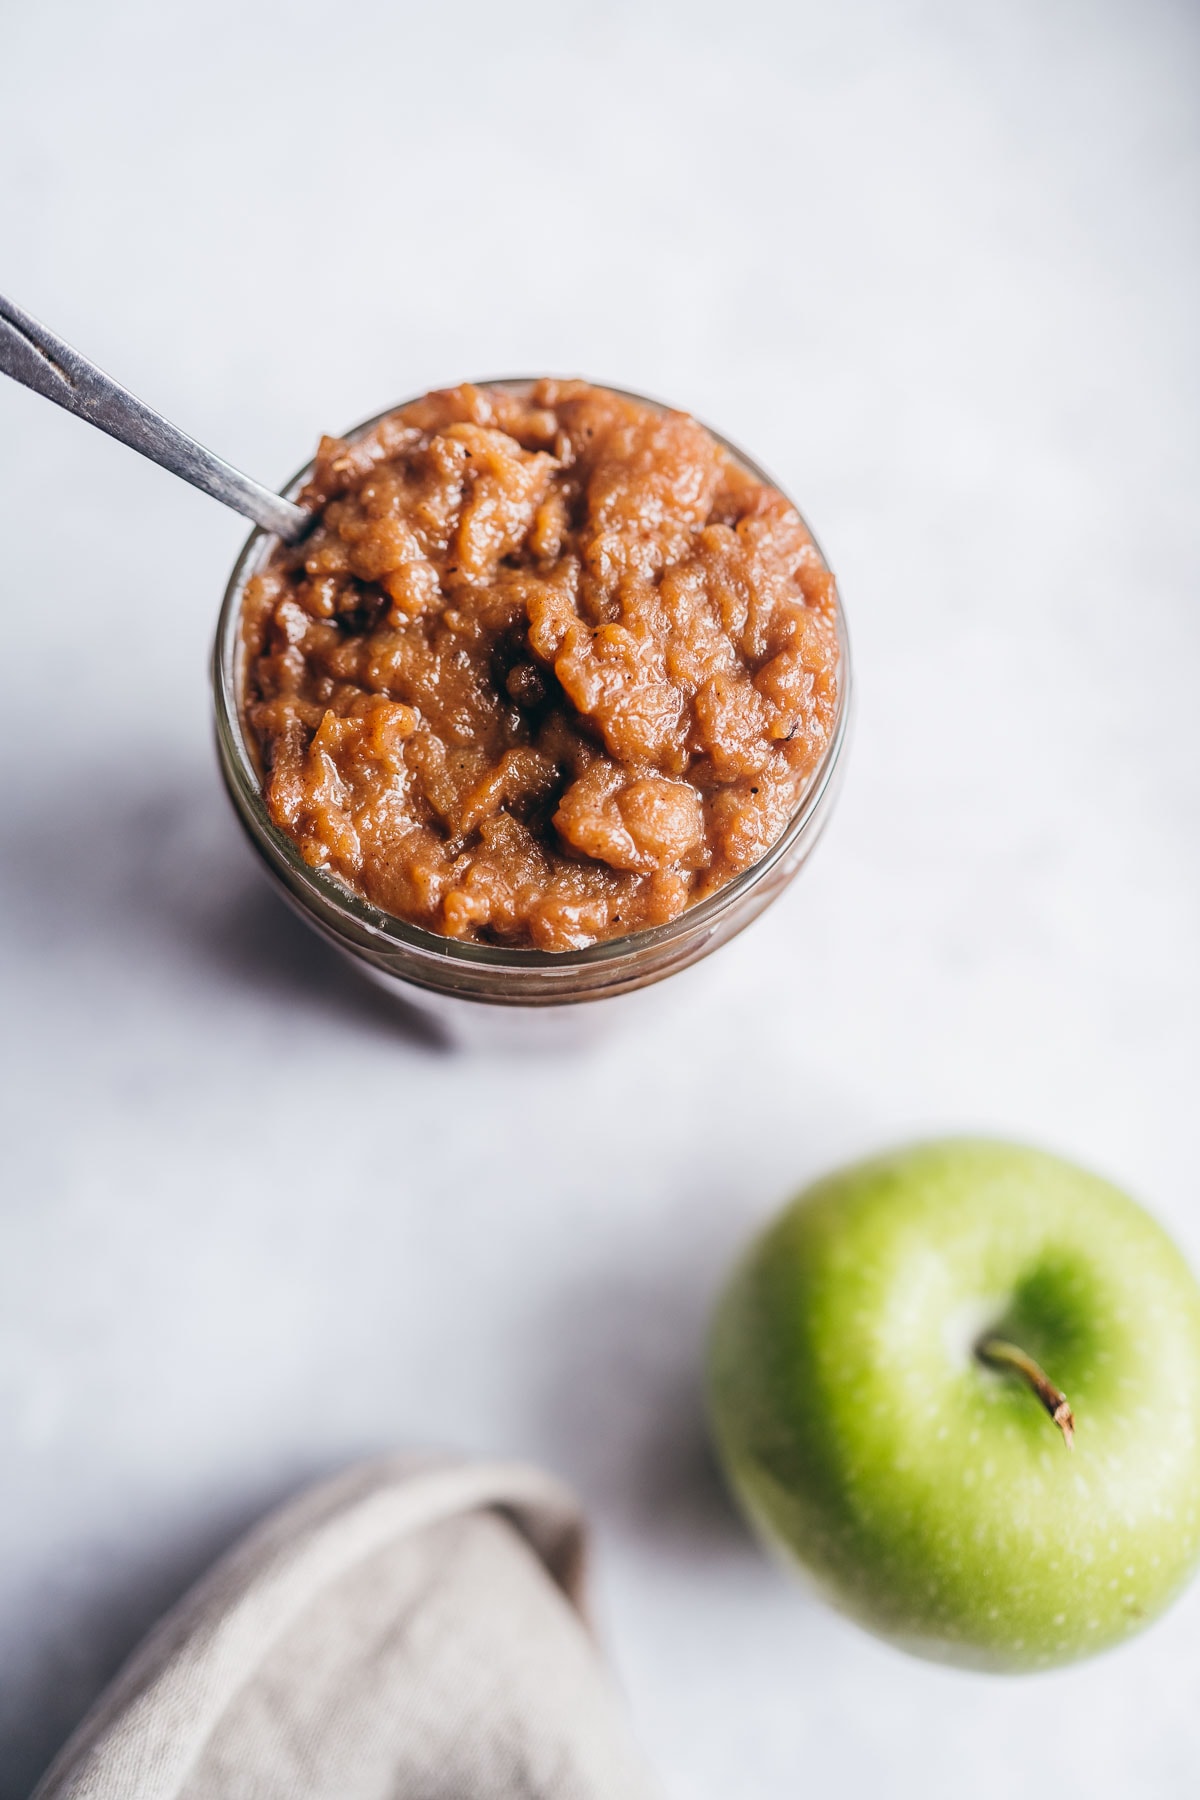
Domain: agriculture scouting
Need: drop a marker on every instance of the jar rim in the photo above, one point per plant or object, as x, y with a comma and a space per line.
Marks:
240, 766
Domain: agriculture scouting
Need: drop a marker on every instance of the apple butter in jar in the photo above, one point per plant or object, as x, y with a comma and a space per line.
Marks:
554, 676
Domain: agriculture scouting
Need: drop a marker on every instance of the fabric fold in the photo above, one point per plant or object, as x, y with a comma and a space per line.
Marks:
411, 1630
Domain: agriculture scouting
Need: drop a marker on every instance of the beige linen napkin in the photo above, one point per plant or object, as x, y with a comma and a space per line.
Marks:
408, 1631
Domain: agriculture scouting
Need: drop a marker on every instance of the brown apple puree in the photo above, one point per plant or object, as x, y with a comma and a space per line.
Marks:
549, 668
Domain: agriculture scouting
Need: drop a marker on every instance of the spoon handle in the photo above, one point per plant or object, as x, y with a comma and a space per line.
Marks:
39, 360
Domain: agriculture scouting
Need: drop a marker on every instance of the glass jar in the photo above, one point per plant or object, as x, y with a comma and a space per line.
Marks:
480, 993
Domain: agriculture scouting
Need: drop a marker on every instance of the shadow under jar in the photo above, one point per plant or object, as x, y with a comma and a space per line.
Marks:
490, 993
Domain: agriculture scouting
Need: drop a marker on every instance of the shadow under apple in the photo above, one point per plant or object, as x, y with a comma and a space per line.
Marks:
621, 1411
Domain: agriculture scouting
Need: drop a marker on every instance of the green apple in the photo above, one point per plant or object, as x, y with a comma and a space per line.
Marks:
960, 1385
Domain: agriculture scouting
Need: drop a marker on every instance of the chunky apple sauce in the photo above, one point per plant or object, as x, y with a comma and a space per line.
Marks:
550, 667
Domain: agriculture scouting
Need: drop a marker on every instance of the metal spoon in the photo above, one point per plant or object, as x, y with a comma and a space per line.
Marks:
39, 360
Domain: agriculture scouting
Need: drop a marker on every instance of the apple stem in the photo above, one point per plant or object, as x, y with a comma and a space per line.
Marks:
1002, 1355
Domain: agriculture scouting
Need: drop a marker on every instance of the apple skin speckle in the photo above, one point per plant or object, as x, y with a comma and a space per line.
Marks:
930, 1496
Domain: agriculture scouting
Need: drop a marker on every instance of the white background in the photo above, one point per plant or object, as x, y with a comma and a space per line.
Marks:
938, 266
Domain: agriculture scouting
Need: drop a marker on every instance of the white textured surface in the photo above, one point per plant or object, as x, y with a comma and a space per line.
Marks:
939, 266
